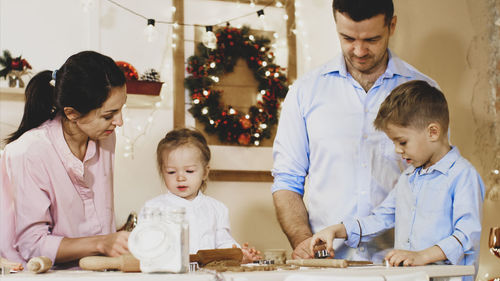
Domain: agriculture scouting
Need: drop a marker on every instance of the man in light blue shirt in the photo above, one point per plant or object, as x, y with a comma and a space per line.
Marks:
326, 132
436, 205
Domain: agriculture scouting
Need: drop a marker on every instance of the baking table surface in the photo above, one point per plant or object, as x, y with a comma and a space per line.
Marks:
365, 271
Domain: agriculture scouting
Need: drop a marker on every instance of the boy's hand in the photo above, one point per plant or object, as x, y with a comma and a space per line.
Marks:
249, 253
409, 258
405, 258
326, 236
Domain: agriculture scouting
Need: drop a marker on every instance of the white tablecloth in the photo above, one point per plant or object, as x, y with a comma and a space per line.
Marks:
374, 272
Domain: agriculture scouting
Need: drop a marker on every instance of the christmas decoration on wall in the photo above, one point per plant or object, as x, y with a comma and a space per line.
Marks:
151, 75
148, 84
129, 71
208, 65
14, 69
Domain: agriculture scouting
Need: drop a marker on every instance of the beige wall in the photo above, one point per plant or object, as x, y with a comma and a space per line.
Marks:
450, 40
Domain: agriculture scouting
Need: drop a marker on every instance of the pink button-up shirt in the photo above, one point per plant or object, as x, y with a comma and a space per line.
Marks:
48, 194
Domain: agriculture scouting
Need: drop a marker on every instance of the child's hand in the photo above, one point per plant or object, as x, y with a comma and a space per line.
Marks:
404, 258
326, 236
407, 258
249, 253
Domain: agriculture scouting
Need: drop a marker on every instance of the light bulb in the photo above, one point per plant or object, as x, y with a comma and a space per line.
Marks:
150, 31
209, 39
87, 4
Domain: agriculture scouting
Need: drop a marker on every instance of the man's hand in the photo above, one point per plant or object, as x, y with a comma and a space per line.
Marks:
293, 218
302, 250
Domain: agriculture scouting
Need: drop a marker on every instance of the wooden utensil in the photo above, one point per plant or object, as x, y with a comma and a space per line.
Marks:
125, 263
202, 257
39, 264
327, 263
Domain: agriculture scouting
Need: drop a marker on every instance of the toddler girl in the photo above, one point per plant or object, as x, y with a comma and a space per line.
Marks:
183, 157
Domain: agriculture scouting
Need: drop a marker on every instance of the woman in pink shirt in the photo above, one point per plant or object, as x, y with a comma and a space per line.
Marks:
57, 169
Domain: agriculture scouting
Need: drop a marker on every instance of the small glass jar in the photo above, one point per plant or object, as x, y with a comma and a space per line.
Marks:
161, 240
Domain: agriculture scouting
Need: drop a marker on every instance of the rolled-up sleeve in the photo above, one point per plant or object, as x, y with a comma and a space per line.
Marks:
291, 147
32, 214
467, 211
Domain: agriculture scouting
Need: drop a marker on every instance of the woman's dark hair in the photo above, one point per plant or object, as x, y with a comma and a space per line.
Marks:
83, 82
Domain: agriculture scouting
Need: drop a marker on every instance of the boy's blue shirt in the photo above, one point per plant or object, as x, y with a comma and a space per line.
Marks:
441, 206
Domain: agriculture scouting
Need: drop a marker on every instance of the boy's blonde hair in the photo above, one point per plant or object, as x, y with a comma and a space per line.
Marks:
180, 137
413, 104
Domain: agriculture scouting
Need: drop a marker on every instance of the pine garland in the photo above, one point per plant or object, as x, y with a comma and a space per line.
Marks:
208, 65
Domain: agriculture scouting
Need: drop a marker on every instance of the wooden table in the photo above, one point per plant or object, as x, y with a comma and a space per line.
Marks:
365, 271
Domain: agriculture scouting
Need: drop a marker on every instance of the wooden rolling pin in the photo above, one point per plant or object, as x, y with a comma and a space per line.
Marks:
39, 264
202, 257
327, 263
125, 263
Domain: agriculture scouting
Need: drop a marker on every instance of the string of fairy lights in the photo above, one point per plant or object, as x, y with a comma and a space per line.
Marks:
134, 132
208, 39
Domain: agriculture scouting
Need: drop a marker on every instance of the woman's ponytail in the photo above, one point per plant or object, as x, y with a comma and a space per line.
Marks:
40, 104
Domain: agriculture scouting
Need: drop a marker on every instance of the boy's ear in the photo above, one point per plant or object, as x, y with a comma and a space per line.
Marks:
71, 113
433, 131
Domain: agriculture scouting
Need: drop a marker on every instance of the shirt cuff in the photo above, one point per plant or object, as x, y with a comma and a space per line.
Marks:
288, 182
353, 232
452, 249
50, 246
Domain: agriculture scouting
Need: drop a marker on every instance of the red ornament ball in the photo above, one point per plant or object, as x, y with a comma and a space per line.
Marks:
244, 139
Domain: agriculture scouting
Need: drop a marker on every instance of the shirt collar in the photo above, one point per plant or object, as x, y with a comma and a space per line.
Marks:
442, 166
183, 202
395, 66
73, 165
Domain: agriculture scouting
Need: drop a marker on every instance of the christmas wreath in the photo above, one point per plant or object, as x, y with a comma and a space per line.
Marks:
208, 65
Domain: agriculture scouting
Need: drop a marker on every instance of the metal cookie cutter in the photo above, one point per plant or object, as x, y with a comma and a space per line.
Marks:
321, 254
193, 266
264, 262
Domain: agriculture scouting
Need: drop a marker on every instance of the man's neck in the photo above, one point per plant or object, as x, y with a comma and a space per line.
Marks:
368, 78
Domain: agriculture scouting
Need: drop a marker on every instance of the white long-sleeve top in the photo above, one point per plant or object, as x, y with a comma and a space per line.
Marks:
208, 220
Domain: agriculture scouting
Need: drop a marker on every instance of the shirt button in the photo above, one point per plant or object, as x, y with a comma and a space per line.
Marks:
362, 249
365, 136
364, 165
366, 110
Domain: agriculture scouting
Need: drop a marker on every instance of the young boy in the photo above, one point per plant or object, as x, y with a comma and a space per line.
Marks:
436, 205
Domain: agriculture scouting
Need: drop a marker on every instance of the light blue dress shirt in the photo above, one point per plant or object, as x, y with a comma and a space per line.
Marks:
440, 205
326, 133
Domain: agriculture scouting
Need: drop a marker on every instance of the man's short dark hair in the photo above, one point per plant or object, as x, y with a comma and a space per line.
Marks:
359, 10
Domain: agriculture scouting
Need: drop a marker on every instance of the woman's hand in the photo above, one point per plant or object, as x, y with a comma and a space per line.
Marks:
114, 244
